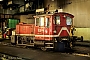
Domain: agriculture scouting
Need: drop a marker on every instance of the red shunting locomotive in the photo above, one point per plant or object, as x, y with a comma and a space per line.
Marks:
50, 31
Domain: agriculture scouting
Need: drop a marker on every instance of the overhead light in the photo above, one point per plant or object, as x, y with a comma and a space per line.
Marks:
52, 0
1, 0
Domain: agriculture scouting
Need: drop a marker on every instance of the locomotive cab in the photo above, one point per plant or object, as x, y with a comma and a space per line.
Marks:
43, 27
53, 28
62, 23
55, 25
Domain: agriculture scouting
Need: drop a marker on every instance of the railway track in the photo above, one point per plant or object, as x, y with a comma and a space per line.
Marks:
4, 56
76, 51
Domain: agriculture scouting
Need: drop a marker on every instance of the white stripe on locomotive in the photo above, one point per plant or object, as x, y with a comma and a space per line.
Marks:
63, 28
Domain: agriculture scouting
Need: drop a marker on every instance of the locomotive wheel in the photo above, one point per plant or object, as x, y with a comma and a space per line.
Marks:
71, 45
43, 48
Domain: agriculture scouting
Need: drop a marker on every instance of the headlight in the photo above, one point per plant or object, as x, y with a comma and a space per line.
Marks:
54, 31
64, 39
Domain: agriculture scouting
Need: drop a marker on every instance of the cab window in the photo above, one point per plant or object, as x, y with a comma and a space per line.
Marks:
47, 22
37, 21
57, 20
68, 20
40, 21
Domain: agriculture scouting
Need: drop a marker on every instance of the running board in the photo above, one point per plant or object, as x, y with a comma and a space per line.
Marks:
22, 44
25, 44
29, 45
49, 47
49, 43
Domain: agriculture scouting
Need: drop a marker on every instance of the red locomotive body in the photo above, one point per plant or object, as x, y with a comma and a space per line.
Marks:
49, 31
24, 29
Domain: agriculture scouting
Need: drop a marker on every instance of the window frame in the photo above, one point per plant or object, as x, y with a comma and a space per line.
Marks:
47, 23
70, 21
56, 20
39, 21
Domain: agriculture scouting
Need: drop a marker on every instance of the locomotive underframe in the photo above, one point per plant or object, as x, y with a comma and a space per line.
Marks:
56, 43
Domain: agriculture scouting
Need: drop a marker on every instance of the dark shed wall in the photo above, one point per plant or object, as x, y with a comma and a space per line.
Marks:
79, 8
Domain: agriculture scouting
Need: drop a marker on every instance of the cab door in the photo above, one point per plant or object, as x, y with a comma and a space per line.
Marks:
56, 24
47, 33
39, 28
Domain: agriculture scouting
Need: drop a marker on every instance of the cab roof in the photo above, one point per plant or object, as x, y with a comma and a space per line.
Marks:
50, 14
